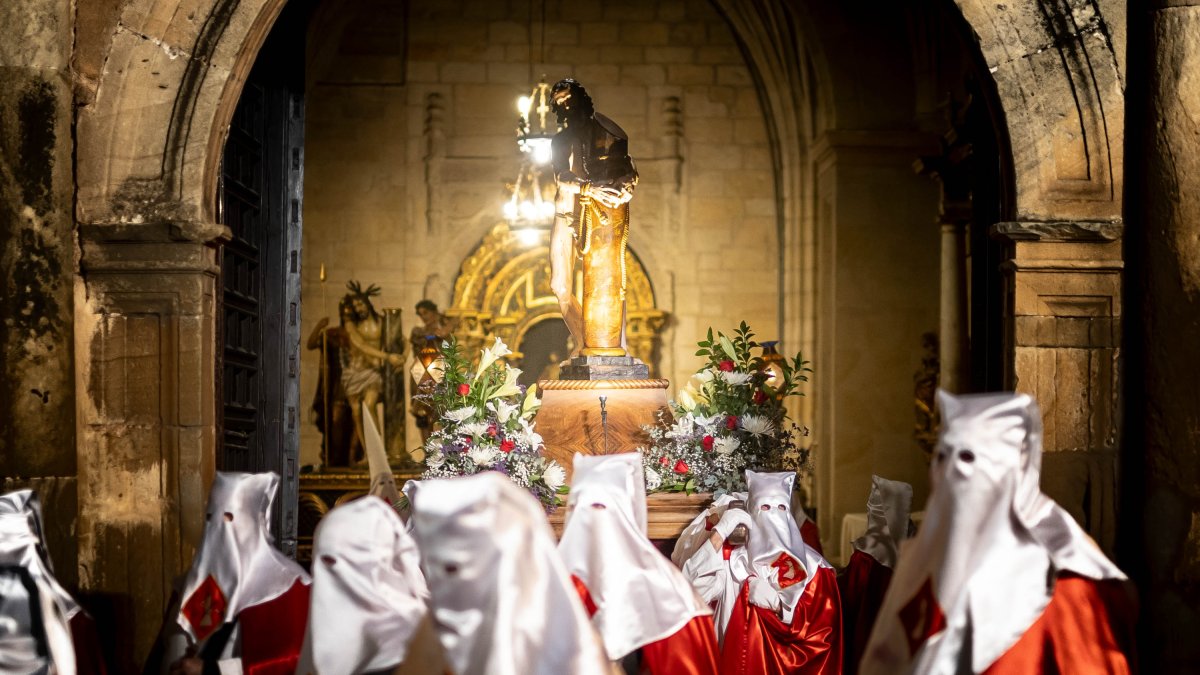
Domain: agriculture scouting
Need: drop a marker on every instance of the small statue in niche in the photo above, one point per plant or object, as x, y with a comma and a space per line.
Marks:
361, 378
330, 407
435, 327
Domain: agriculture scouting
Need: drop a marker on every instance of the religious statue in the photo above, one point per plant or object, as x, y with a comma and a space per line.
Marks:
595, 178
435, 327
330, 407
360, 370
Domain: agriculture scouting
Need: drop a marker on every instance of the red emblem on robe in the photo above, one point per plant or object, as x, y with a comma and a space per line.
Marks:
205, 609
921, 617
790, 570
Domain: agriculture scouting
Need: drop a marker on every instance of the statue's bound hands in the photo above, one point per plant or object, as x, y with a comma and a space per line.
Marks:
610, 197
395, 360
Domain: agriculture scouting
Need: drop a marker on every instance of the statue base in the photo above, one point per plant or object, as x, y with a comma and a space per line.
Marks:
569, 419
605, 368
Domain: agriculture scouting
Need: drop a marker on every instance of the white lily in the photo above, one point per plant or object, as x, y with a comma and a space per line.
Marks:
757, 426
503, 409
459, 415
723, 445
532, 438
490, 355
653, 480
554, 476
686, 400
509, 388
735, 378
531, 403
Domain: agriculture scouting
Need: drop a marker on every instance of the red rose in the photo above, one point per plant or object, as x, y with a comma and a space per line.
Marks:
664, 461
466, 440
707, 443
725, 366
680, 467
731, 422
491, 430
760, 397
464, 389
507, 445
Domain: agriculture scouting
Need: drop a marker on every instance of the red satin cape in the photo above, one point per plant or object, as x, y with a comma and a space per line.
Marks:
811, 536
89, 660
758, 642
273, 633
691, 650
862, 585
1087, 629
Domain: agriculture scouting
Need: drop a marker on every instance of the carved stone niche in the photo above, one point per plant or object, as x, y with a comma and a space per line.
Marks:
503, 290
1063, 309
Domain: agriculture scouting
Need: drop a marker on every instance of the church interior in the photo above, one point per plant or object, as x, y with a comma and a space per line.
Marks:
911, 196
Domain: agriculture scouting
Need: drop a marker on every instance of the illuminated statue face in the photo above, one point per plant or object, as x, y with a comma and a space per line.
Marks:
361, 309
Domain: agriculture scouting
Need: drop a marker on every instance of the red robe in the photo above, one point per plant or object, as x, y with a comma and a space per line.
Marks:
811, 536
1088, 628
757, 642
691, 650
272, 633
89, 660
862, 586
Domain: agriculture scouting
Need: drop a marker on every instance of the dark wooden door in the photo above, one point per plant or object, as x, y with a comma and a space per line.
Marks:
260, 200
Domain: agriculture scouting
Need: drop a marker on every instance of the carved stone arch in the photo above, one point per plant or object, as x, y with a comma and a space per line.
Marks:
503, 290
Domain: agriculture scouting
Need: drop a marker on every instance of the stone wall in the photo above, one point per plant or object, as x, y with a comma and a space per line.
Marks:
37, 253
410, 142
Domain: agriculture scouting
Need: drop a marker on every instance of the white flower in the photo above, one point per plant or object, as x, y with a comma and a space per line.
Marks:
554, 476
474, 429
530, 437
697, 381
683, 427
757, 426
490, 354
504, 410
723, 445
653, 480
460, 414
509, 388
482, 454
435, 460
735, 378
707, 423
686, 400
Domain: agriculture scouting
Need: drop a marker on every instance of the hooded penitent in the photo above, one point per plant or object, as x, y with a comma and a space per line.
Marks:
869, 570
237, 569
992, 554
636, 597
368, 594
35, 635
503, 602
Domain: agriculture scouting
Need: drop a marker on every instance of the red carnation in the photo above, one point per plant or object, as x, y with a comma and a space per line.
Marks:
725, 366
507, 445
491, 430
707, 443
466, 440
464, 389
731, 422
664, 461
681, 467
760, 397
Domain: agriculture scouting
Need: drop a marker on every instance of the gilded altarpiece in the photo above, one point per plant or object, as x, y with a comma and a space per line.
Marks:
503, 290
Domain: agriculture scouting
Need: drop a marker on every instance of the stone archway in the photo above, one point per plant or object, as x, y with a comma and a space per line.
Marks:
153, 84
503, 290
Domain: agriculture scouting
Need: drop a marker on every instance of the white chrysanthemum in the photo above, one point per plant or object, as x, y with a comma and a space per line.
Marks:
474, 429
482, 455
435, 460
503, 409
723, 445
653, 480
735, 378
458, 415
554, 476
757, 426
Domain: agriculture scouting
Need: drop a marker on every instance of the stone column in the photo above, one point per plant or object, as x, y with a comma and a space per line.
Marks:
952, 324
1063, 312
145, 344
1163, 396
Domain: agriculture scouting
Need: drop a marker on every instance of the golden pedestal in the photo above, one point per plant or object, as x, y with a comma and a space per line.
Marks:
667, 513
569, 420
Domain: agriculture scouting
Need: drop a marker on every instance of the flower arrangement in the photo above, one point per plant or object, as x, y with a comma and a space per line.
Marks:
485, 423
729, 417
